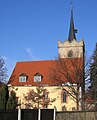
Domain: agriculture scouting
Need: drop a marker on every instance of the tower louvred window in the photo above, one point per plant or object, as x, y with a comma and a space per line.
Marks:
75, 30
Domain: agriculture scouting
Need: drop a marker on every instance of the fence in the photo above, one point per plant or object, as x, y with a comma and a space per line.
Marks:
46, 114
28, 114
77, 115
8, 114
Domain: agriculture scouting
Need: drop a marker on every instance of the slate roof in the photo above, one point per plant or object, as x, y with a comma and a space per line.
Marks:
72, 30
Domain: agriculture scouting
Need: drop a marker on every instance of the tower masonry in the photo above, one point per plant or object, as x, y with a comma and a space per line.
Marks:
73, 49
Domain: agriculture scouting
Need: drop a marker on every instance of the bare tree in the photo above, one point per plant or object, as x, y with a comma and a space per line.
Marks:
70, 73
38, 98
3, 70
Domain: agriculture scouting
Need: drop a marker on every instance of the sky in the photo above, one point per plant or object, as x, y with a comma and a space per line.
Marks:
30, 29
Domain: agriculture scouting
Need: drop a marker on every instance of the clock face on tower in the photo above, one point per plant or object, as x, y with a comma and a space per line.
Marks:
70, 54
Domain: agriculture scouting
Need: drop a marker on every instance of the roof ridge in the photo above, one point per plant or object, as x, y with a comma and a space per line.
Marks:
35, 61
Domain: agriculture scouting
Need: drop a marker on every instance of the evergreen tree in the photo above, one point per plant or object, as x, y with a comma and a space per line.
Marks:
93, 74
12, 103
3, 96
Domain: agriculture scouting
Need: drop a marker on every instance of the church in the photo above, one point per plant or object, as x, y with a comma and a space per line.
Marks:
49, 84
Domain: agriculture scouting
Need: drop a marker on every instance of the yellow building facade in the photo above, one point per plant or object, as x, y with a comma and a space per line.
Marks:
55, 92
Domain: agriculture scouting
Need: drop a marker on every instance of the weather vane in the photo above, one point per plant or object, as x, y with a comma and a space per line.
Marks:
71, 4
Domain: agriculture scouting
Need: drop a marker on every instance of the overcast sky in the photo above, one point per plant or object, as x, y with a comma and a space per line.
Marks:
30, 29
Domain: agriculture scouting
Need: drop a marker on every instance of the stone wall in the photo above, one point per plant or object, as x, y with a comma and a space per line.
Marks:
79, 115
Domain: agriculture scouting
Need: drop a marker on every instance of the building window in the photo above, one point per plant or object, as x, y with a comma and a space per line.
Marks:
64, 108
73, 109
46, 99
38, 77
64, 96
45, 106
17, 100
46, 96
22, 79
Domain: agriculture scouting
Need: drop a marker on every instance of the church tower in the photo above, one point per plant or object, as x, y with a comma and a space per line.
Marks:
71, 48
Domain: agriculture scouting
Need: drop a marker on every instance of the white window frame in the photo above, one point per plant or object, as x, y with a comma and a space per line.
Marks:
22, 78
37, 78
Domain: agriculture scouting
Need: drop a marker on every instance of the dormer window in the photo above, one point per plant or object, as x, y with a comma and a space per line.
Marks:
23, 78
37, 77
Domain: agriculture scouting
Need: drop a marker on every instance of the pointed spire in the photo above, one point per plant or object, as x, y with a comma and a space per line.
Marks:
72, 30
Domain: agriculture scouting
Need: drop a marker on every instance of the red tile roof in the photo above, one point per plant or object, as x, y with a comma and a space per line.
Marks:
30, 69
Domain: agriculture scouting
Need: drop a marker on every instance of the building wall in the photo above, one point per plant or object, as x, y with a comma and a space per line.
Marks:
54, 93
77, 115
